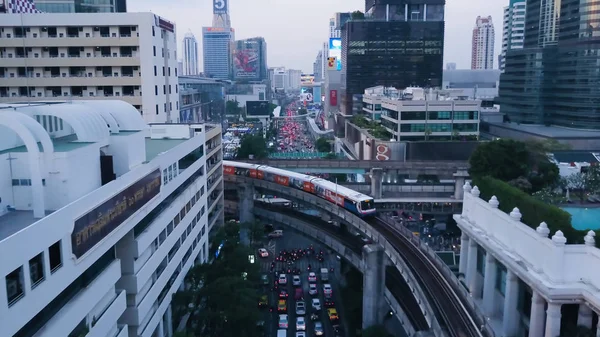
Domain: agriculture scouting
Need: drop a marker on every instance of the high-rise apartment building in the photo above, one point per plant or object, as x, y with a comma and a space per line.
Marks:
91, 56
553, 80
217, 43
98, 234
412, 54
190, 55
280, 79
482, 48
294, 77
250, 60
513, 29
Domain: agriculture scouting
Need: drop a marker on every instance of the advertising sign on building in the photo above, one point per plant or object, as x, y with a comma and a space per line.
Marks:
257, 108
307, 79
306, 94
335, 50
246, 60
220, 6
333, 97
331, 63
95, 225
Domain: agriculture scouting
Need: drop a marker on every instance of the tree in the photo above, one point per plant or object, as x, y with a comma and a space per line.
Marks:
577, 182
322, 145
252, 145
455, 134
232, 108
428, 133
503, 159
593, 178
255, 230
357, 15
376, 331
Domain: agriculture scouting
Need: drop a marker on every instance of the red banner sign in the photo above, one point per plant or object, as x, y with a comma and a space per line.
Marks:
333, 97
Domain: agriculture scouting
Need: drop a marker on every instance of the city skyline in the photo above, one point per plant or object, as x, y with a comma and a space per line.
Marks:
284, 47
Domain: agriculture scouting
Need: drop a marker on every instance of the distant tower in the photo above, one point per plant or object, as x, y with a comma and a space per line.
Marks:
190, 55
482, 49
221, 14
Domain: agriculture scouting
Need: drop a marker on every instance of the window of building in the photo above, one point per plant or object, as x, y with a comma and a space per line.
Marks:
175, 73
156, 90
440, 115
163, 71
165, 177
170, 227
15, 286
36, 270
154, 50
189, 229
480, 261
501, 278
169, 72
202, 190
176, 220
155, 72
413, 115
466, 115
55, 255
157, 109
169, 88
203, 230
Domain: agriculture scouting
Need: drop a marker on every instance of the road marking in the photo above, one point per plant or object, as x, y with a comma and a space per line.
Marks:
271, 246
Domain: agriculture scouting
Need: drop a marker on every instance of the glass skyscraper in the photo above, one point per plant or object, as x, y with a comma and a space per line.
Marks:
555, 78
216, 48
81, 6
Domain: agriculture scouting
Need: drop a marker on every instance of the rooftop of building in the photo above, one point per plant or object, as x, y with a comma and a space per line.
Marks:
416, 94
471, 75
552, 131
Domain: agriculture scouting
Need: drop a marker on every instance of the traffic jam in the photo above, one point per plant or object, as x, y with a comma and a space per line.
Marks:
293, 135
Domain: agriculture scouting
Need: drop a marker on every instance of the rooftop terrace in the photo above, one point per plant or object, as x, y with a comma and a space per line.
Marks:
15, 221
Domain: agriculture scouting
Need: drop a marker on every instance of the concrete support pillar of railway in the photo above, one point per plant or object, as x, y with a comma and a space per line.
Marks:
246, 203
553, 318
373, 284
537, 316
511, 297
459, 181
472, 266
376, 183
489, 285
584, 316
464, 253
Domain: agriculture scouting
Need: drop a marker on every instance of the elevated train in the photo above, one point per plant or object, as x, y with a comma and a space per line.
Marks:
357, 203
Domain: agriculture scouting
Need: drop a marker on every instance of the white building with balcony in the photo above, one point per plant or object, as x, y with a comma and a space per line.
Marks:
91, 56
528, 282
101, 216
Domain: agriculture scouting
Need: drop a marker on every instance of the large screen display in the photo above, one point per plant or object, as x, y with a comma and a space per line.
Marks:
246, 60
335, 50
307, 79
257, 108
306, 94
220, 6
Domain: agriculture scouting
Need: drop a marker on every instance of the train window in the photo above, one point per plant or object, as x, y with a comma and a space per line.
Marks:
367, 205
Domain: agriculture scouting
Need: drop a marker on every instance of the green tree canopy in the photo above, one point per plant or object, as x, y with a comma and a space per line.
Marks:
302, 111
232, 108
357, 15
322, 145
252, 145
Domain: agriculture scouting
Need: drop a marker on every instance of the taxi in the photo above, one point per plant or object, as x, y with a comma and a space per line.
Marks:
282, 306
263, 301
333, 315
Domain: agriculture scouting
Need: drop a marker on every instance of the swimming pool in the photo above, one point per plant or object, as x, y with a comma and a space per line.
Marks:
584, 218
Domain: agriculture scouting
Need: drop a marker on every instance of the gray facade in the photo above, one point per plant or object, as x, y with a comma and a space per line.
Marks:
201, 99
216, 49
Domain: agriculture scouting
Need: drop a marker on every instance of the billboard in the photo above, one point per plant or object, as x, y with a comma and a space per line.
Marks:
333, 97
98, 223
246, 60
306, 94
307, 79
335, 50
257, 108
220, 6
332, 63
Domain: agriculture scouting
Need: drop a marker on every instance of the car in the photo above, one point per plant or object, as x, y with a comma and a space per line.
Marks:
283, 293
296, 281
300, 323
312, 277
299, 294
283, 321
282, 279
329, 303
282, 306
263, 301
316, 304
318, 328
264, 279
300, 334
312, 289
333, 315
327, 291
300, 308
275, 234
263, 252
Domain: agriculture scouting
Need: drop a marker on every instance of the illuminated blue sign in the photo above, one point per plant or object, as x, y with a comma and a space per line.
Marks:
335, 50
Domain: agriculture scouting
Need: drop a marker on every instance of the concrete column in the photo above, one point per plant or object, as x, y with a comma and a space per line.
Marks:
373, 284
553, 317
376, 183
536, 320
511, 295
464, 252
584, 317
489, 285
246, 203
161, 329
170, 321
459, 181
472, 266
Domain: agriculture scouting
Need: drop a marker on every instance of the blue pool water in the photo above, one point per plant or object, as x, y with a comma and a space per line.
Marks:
584, 218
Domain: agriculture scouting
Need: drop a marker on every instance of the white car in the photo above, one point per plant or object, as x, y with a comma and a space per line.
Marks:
300, 308
296, 281
283, 321
327, 291
312, 289
318, 329
282, 279
300, 323
263, 252
300, 334
316, 304
312, 277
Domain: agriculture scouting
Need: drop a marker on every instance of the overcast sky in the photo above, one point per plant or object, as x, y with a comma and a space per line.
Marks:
295, 30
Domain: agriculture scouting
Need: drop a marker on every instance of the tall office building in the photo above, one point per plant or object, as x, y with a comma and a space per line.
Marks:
250, 59
412, 54
513, 29
217, 43
318, 66
190, 55
91, 56
280, 79
482, 45
293, 79
553, 80
337, 23
100, 232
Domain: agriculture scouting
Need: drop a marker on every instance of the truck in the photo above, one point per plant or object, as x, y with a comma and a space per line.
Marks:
324, 274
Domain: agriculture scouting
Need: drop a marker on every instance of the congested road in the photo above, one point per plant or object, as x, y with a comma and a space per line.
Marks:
293, 135
296, 255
